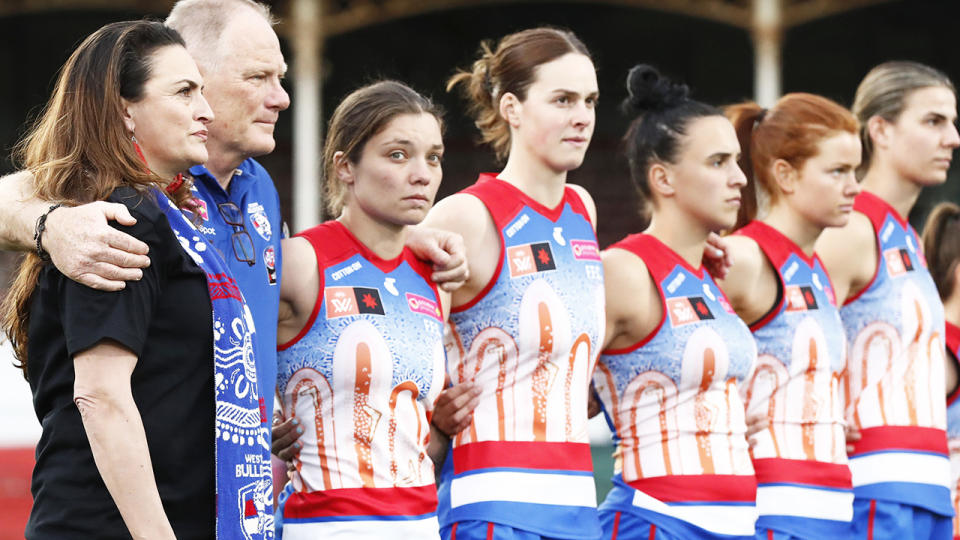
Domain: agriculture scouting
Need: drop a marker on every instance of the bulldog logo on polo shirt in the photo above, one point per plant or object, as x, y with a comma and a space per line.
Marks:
270, 261
258, 217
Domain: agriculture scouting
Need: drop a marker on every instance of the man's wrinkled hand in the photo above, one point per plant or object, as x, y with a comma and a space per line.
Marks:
86, 249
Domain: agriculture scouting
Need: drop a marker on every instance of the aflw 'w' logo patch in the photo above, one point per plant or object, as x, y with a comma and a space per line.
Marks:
800, 298
529, 258
687, 309
898, 261
343, 301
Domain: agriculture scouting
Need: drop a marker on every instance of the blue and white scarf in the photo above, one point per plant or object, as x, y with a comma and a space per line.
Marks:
244, 482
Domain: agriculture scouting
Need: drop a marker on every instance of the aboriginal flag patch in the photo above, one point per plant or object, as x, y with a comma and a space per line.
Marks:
688, 309
530, 258
343, 301
801, 298
898, 261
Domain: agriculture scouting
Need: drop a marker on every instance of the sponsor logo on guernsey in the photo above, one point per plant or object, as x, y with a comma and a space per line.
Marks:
558, 236
800, 298
344, 301
585, 250
515, 227
423, 306
791, 270
530, 258
898, 261
688, 309
390, 285
270, 261
258, 217
346, 271
887, 231
675, 283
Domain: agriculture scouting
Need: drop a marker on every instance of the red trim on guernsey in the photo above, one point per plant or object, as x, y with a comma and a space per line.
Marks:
453, 531
873, 515
362, 501
798, 471
503, 201
553, 214
489, 530
522, 455
953, 355
699, 488
923, 439
876, 210
493, 279
333, 244
660, 261
616, 526
770, 534
653, 333
653, 532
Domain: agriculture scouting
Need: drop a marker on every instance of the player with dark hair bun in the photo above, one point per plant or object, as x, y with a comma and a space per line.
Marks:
674, 349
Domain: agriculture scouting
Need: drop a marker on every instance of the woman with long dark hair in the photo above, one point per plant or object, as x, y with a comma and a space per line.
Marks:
147, 396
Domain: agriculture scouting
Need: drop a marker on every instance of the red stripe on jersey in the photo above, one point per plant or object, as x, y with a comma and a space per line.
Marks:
921, 439
522, 455
798, 471
699, 488
363, 501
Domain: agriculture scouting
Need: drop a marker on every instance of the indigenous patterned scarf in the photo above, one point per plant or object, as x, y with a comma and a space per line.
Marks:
244, 485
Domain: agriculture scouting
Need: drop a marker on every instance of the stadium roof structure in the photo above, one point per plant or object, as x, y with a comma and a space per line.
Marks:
341, 16
307, 24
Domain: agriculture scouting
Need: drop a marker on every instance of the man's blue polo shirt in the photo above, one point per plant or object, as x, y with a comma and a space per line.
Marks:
252, 190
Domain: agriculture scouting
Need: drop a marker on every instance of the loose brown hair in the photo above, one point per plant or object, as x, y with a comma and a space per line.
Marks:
941, 246
883, 92
360, 116
79, 150
510, 66
790, 131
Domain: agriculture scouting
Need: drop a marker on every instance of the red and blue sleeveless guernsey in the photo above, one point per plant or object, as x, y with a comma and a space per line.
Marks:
953, 425
529, 339
673, 405
362, 377
895, 375
803, 482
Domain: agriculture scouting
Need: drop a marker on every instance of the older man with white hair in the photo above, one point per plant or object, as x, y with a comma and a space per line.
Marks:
239, 56
238, 207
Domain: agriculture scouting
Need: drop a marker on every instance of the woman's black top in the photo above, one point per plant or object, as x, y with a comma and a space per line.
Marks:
165, 319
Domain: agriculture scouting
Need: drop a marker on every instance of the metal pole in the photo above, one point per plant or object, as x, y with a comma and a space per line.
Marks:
767, 38
307, 54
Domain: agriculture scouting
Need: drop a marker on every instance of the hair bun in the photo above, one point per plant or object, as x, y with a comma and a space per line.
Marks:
648, 90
